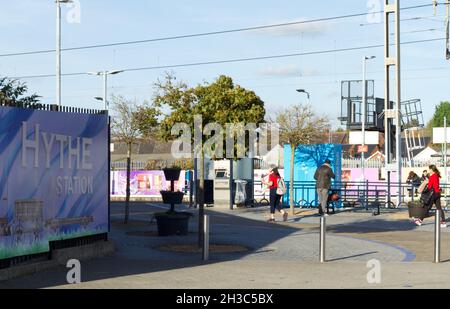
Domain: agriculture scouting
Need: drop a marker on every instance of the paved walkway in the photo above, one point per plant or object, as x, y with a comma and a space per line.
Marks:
280, 255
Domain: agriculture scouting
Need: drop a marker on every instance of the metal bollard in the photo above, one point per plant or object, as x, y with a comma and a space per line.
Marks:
206, 238
437, 237
322, 244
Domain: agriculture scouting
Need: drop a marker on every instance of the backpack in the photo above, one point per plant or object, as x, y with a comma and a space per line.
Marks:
281, 187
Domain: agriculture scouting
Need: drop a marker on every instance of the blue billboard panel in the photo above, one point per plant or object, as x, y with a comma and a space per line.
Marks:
310, 157
307, 159
53, 178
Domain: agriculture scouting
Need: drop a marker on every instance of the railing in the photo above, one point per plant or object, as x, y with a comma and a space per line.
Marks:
362, 194
356, 163
122, 166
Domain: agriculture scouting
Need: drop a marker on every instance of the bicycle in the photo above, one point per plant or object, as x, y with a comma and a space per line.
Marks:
389, 205
262, 202
302, 204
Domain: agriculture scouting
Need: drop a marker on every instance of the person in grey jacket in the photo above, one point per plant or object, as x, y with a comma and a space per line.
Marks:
323, 177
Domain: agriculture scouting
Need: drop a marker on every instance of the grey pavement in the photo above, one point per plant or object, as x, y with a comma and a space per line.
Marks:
281, 255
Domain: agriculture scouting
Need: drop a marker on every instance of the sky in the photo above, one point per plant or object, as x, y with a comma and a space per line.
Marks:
29, 25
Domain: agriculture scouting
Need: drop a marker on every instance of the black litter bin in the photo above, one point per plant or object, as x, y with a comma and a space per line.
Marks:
418, 210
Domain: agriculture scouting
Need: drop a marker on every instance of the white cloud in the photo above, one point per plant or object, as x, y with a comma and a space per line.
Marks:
287, 71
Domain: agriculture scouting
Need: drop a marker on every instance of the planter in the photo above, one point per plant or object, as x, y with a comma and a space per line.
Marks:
418, 210
172, 224
172, 174
172, 198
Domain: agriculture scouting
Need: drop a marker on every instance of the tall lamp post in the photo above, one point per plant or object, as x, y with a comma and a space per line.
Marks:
58, 50
105, 84
304, 91
364, 116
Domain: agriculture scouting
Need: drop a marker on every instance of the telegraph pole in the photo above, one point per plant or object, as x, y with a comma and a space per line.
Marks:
448, 31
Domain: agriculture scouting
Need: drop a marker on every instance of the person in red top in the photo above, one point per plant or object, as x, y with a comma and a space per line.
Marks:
275, 199
434, 184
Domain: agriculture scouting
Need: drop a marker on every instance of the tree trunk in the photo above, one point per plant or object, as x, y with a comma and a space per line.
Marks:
201, 199
291, 181
128, 191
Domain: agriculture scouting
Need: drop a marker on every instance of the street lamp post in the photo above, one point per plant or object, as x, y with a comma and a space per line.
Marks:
105, 85
364, 116
58, 50
304, 91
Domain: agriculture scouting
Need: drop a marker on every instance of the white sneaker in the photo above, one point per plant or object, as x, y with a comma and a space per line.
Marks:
443, 225
418, 222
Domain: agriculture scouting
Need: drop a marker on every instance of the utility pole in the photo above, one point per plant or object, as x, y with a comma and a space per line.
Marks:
445, 156
448, 31
58, 50
58, 53
364, 116
393, 113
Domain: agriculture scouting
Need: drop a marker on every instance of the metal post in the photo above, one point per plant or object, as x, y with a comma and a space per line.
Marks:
387, 98
206, 238
437, 237
366, 199
364, 117
393, 113
231, 184
447, 49
445, 158
105, 89
191, 186
195, 187
322, 245
58, 53
398, 123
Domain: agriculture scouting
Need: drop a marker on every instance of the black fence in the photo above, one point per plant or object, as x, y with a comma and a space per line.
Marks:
52, 108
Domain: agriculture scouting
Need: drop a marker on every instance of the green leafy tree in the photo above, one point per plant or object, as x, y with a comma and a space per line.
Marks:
13, 92
127, 127
146, 119
442, 110
220, 102
299, 125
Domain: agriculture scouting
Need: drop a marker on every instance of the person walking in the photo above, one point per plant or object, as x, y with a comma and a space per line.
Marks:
274, 183
434, 191
323, 177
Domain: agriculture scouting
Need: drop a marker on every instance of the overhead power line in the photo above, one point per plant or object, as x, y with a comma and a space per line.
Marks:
205, 33
236, 60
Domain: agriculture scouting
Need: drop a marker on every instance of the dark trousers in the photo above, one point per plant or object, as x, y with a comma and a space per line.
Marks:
436, 200
275, 200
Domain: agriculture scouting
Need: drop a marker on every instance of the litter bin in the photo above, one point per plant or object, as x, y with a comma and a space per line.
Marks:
241, 193
418, 210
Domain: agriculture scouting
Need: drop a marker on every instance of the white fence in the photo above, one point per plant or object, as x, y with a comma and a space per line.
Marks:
122, 166
346, 163
356, 163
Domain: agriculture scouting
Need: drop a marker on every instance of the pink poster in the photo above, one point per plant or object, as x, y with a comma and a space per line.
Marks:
356, 175
143, 183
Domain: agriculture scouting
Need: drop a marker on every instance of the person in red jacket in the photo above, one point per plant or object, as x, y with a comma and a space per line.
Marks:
275, 199
434, 184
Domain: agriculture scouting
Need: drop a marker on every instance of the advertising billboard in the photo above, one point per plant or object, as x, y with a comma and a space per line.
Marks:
143, 183
53, 178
